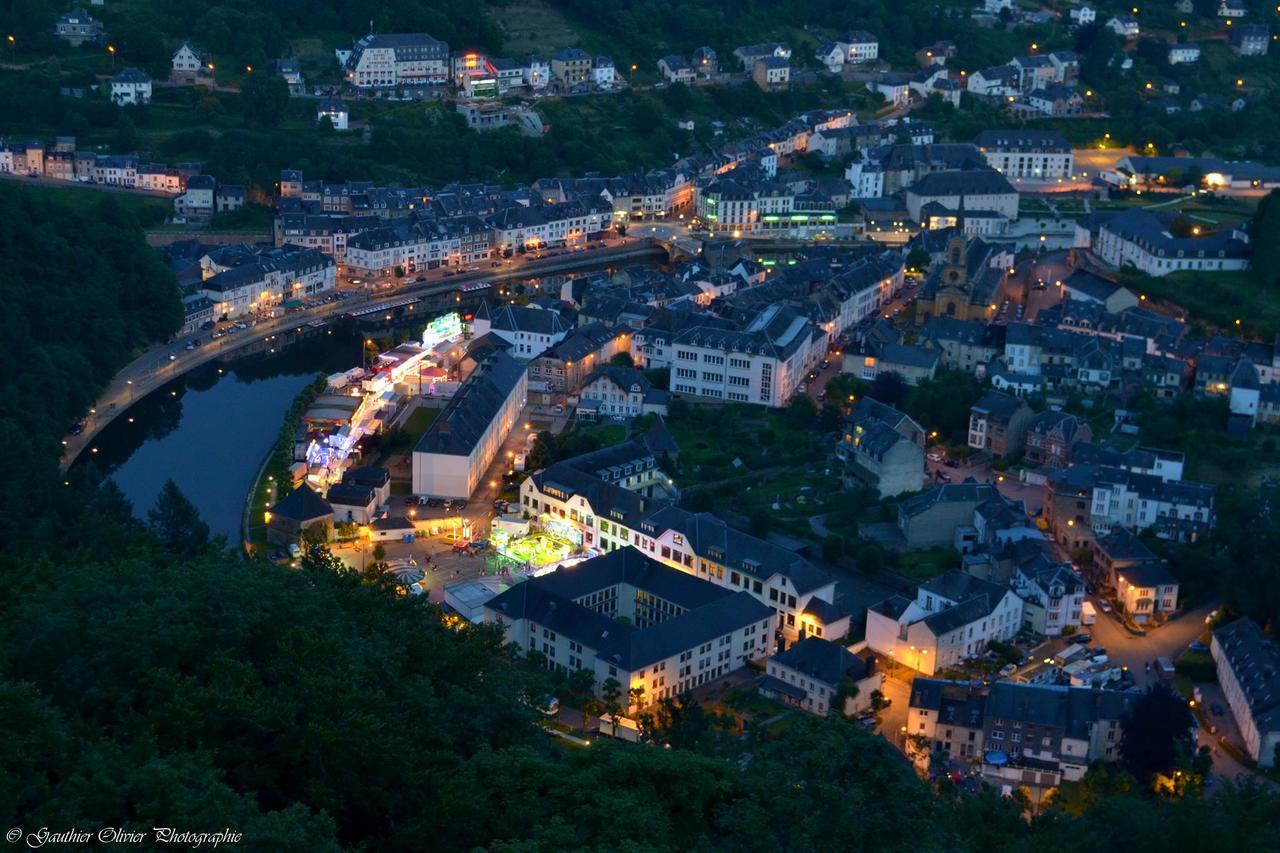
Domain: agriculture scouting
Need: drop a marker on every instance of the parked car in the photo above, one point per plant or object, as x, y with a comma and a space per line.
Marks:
802, 388
1198, 646
294, 550
825, 364
1008, 670
1079, 638
935, 457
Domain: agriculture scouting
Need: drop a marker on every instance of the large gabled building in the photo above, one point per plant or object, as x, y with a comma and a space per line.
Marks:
397, 60
1249, 672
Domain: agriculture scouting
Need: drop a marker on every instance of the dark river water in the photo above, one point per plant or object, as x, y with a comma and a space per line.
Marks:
210, 430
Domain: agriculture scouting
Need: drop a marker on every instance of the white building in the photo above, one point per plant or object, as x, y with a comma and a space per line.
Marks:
603, 498
603, 71
1083, 15
1035, 155
1249, 673
654, 630
1142, 239
530, 331
1052, 596
457, 449
396, 60
131, 86
1184, 53
622, 392
859, 46
977, 189
188, 62
268, 278
953, 618
811, 675
335, 111
1126, 28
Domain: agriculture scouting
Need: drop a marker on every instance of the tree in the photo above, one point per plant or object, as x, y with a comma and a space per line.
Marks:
379, 552
542, 454
263, 99
125, 138
801, 412
889, 388
1264, 236
635, 697
918, 259
611, 690
1155, 733
622, 359
176, 522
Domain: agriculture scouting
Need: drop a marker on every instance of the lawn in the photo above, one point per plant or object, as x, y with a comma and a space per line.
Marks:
419, 421
923, 565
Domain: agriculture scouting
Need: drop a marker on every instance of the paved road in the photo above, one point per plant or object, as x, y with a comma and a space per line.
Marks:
1168, 640
164, 362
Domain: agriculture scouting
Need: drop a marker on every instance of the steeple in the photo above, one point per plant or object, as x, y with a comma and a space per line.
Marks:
960, 217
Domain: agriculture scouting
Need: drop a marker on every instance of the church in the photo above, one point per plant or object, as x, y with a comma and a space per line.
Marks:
967, 282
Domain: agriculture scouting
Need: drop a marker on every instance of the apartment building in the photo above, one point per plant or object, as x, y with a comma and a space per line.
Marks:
652, 629
456, 450
252, 280
953, 618
1249, 672
1034, 155
814, 673
394, 60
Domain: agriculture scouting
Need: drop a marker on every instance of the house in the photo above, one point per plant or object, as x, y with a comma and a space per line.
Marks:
1180, 54
530, 331
1037, 155
1144, 239
998, 423
748, 54
228, 198
705, 62
964, 344
76, 28
676, 69
242, 280
859, 46
1056, 101
653, 629
998, 81
537, 72
930, 519
188, 64
1083, 15
1052, 596
1051, 435
197, 201
831, 55
815, 672
1032, 736
953, 618
1232, 9
289, 71
1250, 39
571, 67
995, 7
1249, 673
621, 392
302, 511
353, 503
895, 88
771, 72
456, 450
1093, 289
1125, 27
883, 448
398, 60
912, 363
976, 190
564, 366
603, 71
334, 110
131, 86
1144, 590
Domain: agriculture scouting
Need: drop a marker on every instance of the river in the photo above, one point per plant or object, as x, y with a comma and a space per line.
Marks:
209, 431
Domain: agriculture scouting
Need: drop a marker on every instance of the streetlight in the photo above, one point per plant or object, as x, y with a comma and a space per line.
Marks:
111, 49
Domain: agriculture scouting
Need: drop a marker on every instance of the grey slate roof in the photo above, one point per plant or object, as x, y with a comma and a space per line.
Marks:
825, 661
1255, 660
474, 405
302, 504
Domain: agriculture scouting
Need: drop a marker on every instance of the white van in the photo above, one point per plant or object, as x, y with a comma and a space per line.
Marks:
1088, 613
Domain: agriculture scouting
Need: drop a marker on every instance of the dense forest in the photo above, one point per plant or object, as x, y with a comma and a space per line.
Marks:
148, 677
